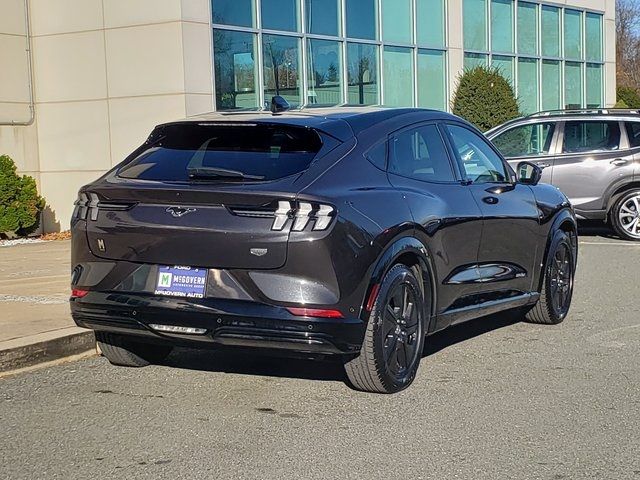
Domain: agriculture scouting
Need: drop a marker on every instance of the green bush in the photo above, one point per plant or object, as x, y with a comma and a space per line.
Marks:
20, 204
628, 95
485, 98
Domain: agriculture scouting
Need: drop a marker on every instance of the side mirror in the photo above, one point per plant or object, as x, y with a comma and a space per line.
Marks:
529, 173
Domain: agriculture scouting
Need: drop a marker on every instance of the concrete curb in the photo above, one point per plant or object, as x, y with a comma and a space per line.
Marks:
45, 347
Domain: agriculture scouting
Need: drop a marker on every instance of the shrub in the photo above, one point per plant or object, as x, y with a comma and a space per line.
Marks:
621, 104
629, 95
20, 204
485, 98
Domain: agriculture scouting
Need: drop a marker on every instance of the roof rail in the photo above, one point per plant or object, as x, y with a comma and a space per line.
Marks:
586, 111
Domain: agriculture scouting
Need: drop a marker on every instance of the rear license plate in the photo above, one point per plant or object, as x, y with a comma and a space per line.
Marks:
188, 282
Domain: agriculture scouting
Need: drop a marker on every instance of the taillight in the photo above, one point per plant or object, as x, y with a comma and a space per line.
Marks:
303, 213
78, 293
88, 205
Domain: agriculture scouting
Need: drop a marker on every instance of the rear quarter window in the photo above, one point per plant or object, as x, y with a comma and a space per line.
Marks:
258, 151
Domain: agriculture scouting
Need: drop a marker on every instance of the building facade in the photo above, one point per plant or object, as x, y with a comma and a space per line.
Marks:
84, 81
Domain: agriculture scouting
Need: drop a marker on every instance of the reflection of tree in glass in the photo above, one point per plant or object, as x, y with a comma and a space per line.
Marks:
234, 67
282, 67
360, 71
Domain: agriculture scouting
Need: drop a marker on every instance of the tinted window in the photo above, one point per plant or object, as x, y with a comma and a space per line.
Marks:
480, 163
633, 132
361, 18
280, 14
526, 140
420, 153
233, 12
591, 137
267, 151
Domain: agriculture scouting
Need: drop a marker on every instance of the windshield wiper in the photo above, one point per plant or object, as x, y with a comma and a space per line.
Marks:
203, 173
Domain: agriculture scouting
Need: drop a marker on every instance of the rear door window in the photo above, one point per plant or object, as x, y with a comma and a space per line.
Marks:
420, 153
531, 140
582, 137
246, 152
633, 132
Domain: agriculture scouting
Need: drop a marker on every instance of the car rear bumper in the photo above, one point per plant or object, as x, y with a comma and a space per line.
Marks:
232, 323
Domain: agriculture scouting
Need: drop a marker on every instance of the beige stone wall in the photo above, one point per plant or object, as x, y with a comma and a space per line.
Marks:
104, 73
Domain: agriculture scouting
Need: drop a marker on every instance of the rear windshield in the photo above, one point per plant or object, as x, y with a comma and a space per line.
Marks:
201, 152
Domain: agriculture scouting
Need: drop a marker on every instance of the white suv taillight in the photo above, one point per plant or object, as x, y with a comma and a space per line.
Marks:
303, 213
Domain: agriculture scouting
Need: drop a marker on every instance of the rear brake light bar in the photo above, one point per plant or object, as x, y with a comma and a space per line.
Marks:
305, 212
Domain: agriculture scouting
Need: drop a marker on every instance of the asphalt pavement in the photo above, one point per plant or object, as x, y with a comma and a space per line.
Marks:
495, 398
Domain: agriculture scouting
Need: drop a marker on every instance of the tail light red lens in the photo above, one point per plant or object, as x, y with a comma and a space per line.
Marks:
314, 312
78, 293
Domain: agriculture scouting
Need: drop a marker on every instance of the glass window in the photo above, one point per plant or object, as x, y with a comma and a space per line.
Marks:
233, 12
502, 25
550, 85
378, 155
527, 28
430, 22
526, 140
235, 69
281, 68
280, 15
398, 68
551, 29
362, 72
325, 72
528, 85
397, 23
573, 85
572, 33
323, 17
260, 152
361, 19
475, 24
419, 153
633, 132
432, 86
472, 60
480, 163
581, 136
593, 37
504, 65
594, 86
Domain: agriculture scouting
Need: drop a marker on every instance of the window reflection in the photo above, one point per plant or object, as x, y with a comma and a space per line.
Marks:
325, 72
280, 15
361, 19
323, 17
281, 68
233, 12
235, 69
362, 73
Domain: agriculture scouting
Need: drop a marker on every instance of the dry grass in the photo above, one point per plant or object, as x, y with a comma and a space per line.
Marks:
56, 236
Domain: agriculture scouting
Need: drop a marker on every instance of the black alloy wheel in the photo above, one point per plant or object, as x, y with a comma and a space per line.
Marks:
392, 347
557, 287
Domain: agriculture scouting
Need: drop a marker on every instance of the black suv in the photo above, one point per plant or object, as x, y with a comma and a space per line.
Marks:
349, 231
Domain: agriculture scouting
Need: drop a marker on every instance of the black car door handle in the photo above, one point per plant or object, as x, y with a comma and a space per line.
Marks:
490, 200
618, 162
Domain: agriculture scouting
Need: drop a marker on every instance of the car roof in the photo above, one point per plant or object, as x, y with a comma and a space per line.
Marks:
328, 119
615, 114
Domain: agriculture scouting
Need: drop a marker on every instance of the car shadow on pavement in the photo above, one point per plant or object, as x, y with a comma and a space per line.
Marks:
596, 228
323, 369
468, 330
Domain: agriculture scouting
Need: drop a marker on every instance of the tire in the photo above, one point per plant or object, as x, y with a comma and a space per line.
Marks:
625, 215
125, 352
395, 335
557, 285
